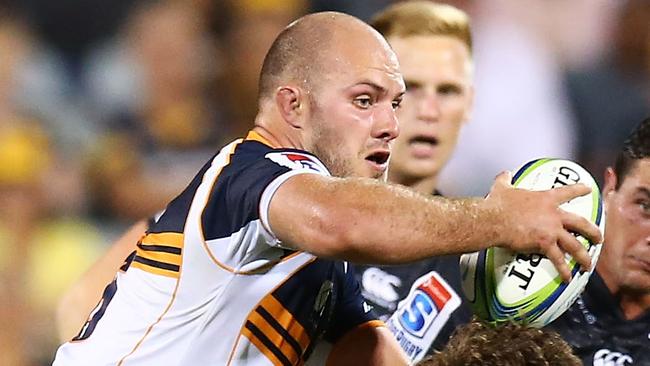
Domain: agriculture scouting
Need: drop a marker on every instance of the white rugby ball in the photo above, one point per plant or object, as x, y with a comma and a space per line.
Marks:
504, 286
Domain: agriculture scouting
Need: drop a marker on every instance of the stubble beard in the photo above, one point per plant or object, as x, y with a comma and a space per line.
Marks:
325, 143
325, 147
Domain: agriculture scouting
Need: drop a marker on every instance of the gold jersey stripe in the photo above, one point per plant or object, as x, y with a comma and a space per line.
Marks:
166, 239
163, 257
261, 347
286, 320
254, 136
276, 338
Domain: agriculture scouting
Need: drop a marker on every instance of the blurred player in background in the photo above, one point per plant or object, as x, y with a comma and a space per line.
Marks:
478, 344
254, 222
434, 48
610, 323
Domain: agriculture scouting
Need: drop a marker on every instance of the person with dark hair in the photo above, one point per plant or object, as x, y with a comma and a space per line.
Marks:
609, 324
478, 344
245, 265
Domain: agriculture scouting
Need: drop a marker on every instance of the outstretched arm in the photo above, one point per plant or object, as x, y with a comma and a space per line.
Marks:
368, 221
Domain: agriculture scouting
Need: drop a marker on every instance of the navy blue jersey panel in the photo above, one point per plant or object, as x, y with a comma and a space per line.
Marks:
235, 196
309, 295
335, 304
174, 217
351, 309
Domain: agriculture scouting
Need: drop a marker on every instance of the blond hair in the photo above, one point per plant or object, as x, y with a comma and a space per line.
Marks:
416, 18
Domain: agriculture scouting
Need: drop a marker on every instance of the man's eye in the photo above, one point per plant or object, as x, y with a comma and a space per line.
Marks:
449, 90
397, 104
645, 206
363, 102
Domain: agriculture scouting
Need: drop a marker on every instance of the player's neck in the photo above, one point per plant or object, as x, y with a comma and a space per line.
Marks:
426, 185
276, 140
634, 305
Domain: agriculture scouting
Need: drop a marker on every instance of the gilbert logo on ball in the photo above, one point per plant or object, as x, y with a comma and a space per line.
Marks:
526, 288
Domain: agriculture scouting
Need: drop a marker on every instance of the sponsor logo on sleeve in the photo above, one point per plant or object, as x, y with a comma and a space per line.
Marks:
296, 161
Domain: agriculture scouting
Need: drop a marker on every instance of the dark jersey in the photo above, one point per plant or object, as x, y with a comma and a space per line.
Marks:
430, 311
599, 333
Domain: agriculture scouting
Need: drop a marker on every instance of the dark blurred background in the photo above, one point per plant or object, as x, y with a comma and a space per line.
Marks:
108, 108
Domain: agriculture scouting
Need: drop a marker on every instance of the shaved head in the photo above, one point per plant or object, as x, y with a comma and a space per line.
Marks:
330, 85
308, 48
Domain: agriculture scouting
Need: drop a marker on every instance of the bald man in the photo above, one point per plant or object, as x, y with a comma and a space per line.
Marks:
244, 265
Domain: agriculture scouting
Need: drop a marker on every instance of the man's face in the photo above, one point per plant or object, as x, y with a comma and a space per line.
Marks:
353, 112
437, 71
626, 248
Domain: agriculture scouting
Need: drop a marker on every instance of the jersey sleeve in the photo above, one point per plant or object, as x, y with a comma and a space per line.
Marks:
351, 309
244, 190
294, 164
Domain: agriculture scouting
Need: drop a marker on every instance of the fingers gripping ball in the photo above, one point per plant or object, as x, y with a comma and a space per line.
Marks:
505, 286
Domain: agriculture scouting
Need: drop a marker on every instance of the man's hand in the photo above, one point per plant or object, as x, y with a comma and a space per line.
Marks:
533, 222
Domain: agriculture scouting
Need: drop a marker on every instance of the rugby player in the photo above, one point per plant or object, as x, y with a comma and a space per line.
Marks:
244, 265
609, 324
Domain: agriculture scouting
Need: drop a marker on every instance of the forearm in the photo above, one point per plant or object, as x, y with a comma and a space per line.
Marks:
367, 221
392, 224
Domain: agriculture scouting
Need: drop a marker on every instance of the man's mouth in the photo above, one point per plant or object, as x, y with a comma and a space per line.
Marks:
423, 146
424, 140
379, 157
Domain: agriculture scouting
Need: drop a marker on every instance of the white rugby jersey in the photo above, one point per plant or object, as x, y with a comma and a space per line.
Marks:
210, 284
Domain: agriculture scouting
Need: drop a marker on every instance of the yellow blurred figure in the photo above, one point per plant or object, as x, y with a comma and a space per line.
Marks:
41, 253
23, 153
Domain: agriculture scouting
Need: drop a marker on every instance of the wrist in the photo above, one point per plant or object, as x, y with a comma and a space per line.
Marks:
494, 219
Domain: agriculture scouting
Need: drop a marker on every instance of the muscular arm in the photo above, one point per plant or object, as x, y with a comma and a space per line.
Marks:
82, 296
371, 222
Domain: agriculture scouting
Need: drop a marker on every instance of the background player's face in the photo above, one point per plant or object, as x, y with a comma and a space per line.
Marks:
626, 248
354, 110
437, 71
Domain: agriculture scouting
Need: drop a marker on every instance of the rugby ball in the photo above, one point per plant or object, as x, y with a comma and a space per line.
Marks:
503, 286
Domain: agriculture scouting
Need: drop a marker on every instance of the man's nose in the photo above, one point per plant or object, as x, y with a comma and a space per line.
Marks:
386, 125
428, 107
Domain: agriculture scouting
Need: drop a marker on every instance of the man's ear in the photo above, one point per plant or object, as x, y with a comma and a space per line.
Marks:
609, 187
610, 181
289, 101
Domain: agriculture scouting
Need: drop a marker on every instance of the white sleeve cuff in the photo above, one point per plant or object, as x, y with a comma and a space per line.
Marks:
265, 202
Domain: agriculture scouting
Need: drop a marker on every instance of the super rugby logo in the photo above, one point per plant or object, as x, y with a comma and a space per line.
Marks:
422, 306
296, 161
